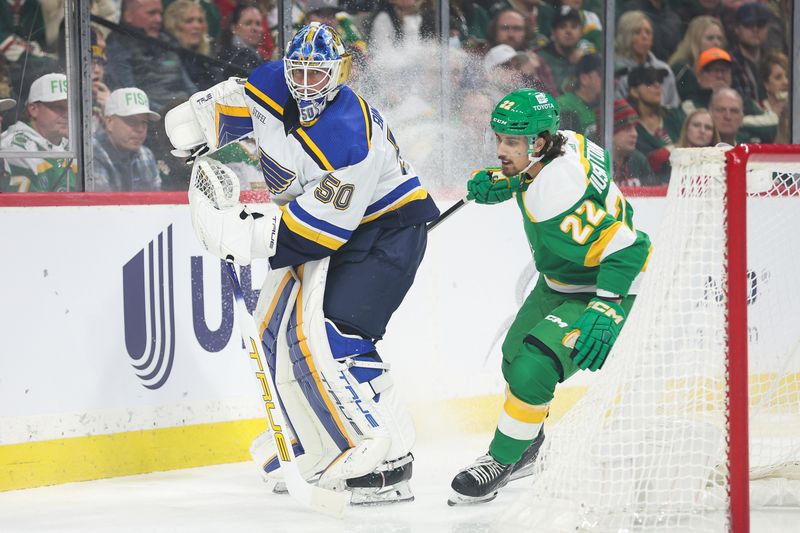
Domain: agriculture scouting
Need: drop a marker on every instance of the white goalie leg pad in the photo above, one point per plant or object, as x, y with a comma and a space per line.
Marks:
368, 409
212, 117
226, 228
313, 448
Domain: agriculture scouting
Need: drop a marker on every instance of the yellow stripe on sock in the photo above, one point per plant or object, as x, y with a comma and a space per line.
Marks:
522, 411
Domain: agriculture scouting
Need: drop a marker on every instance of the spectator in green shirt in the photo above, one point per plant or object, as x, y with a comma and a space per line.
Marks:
44, 128
658, 127
579, 107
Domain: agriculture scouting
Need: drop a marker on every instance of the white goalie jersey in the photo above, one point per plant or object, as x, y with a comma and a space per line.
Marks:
328, 178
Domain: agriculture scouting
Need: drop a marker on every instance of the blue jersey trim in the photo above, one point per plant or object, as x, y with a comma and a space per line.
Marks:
304, 216
393, 196
342, 136
267, 87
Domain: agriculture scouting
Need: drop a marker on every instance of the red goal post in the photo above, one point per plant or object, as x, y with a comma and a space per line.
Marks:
737, 325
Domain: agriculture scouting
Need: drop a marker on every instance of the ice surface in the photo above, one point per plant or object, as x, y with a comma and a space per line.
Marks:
232, 498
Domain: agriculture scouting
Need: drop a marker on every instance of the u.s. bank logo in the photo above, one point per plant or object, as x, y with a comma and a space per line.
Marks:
148, 295
148, 291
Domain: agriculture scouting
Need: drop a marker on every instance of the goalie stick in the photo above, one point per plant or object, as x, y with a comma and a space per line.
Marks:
322, 500
216, 183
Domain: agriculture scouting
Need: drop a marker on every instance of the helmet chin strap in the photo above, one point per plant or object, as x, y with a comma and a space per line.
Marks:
532, 158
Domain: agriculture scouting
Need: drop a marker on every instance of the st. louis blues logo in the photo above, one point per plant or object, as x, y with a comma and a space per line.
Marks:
148, 297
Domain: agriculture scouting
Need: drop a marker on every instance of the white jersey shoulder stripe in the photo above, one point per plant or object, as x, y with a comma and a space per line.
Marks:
556, 188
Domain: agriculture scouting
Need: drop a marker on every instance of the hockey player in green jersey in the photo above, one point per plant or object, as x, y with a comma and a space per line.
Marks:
589, 257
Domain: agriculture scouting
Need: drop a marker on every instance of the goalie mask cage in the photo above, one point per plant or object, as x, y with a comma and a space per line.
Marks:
663, 441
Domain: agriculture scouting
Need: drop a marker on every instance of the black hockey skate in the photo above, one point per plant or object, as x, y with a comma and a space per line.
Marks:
481, 481
524, 467
388, 484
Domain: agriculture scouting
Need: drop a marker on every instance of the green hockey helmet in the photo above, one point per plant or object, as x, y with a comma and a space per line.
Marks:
526, 112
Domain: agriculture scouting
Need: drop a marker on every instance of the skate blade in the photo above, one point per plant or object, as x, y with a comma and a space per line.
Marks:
521, 473
459, 499
398, 493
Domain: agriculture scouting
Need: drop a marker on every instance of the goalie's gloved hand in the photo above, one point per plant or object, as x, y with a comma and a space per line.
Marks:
597, 330
234, 233
491, 186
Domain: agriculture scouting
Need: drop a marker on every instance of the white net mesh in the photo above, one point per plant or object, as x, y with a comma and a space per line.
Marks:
645, 449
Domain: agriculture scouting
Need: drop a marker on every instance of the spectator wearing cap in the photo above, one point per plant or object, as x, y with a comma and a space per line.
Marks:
669, 29
704, 32
44, 127
633, 45
591, 27
504, 71
658, 127
750, 30
563, 53
713, 72
579, 106
630, 165
137, 56
121, 161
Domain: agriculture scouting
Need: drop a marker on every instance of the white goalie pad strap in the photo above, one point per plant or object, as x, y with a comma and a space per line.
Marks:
381, 383
198, 120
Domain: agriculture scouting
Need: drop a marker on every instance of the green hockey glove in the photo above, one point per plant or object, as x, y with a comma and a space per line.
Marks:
596, 329
491, 186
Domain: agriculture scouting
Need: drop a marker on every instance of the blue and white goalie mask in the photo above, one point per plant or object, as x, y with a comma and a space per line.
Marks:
316, 66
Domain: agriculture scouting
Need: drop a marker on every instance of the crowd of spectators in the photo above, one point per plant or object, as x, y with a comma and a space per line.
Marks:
688, 73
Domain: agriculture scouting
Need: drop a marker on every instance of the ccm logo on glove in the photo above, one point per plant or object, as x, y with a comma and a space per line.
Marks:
605, 309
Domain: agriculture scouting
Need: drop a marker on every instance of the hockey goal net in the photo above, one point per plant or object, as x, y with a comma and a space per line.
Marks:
663, 441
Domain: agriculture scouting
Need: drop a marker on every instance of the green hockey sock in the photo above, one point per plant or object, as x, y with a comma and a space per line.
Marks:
506, 450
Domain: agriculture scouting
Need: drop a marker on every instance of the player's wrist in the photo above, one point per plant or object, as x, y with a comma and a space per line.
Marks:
608, 296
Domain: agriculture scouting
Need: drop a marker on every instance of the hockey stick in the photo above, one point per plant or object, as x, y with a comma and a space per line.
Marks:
452, 209
325, 501
214, 183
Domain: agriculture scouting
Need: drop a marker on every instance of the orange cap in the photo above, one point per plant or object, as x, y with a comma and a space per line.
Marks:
711, 55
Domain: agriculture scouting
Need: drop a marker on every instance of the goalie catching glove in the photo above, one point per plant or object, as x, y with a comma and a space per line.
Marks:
490, 186
596, 330
226, 228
